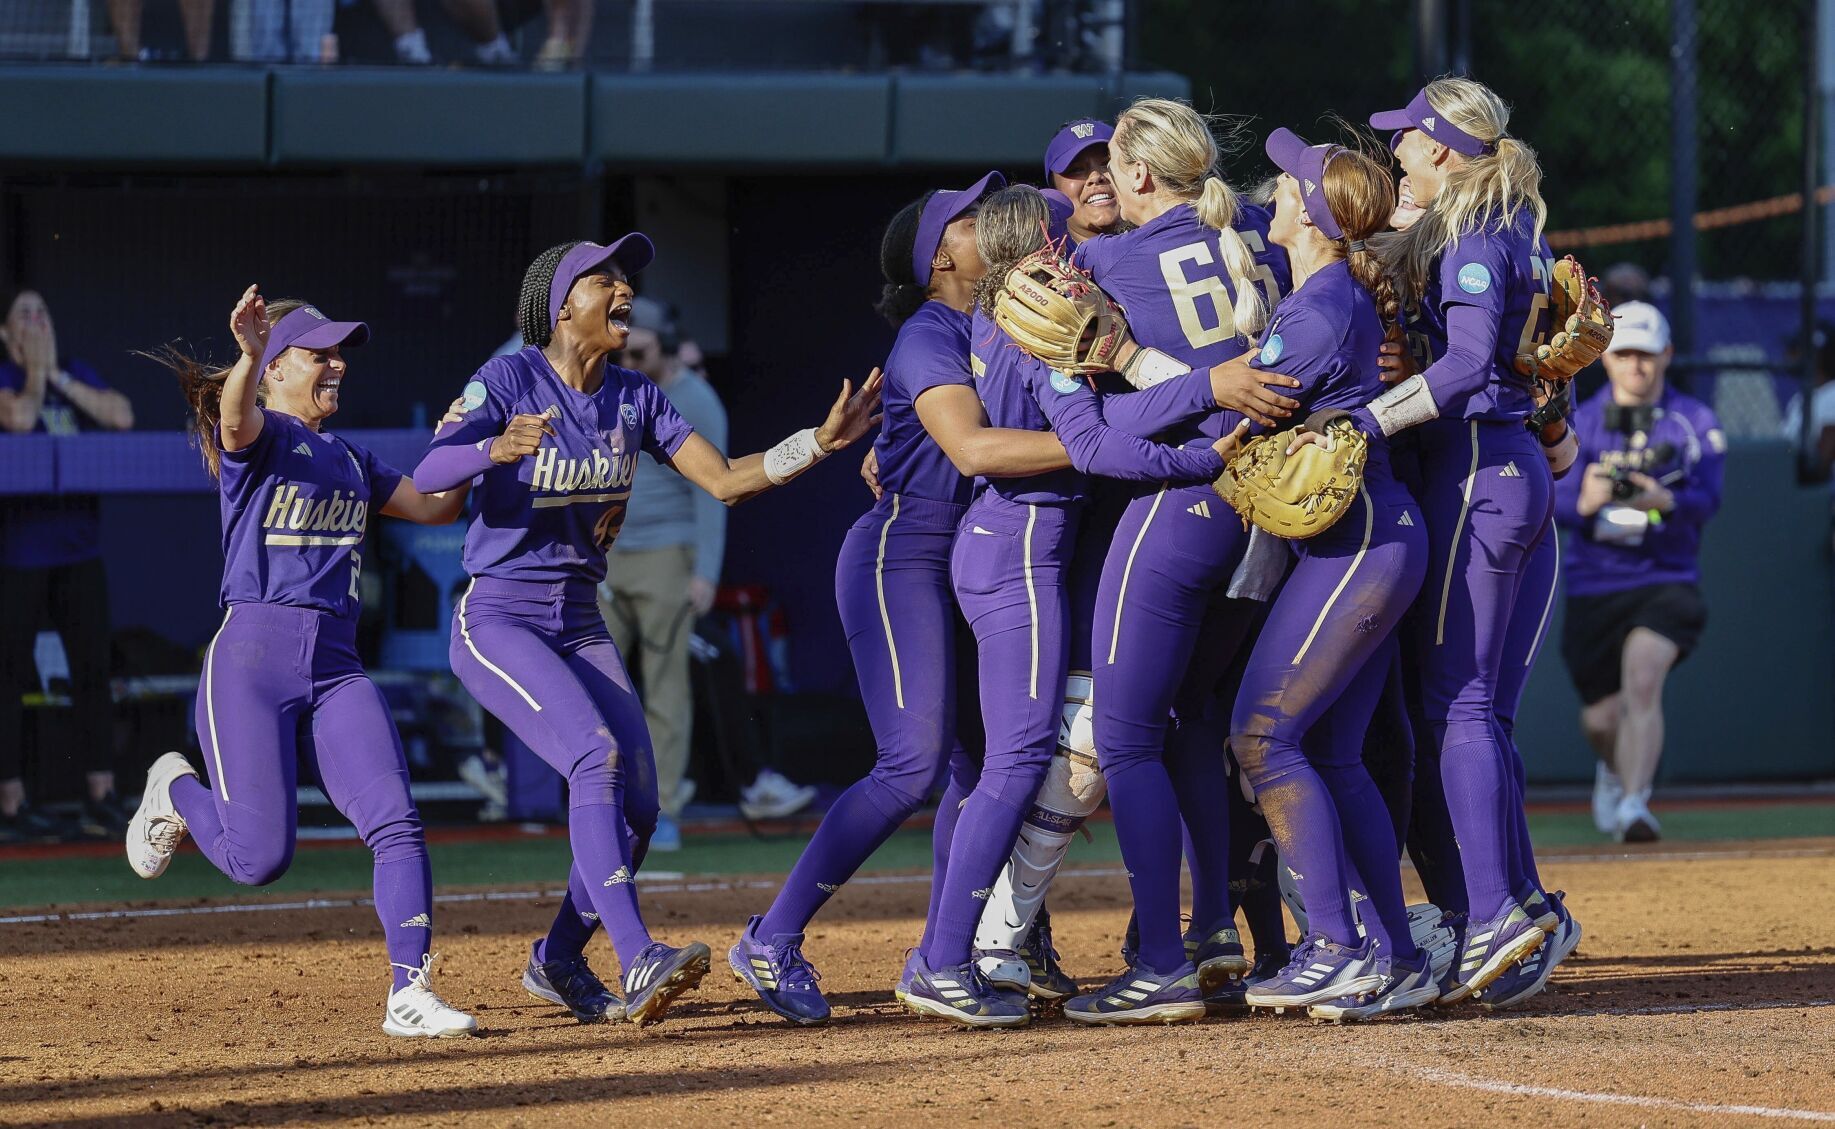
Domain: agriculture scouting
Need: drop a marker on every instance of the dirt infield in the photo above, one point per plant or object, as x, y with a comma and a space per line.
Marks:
1703, 994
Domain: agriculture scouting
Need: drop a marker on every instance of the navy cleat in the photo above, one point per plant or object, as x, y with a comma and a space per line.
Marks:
777, 970
1141, 995
1218, 956
572, 985
961, 994
1523, 981
1491, 947
1232, 995
659, 975
1047, 981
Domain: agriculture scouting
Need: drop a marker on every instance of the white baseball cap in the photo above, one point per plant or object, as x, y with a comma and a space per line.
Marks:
1639, 327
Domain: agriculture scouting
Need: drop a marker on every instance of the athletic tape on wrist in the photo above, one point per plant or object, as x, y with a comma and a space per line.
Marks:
1148, 367
793, 456
1409, 403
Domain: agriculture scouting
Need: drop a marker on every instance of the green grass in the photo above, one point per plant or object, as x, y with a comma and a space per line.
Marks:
535, 863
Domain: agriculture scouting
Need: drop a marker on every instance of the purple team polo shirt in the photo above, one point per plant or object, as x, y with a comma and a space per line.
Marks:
553, 515
931, 349
51, 530
296, 503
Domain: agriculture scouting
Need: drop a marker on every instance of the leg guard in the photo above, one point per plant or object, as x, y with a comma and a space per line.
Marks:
1073, 788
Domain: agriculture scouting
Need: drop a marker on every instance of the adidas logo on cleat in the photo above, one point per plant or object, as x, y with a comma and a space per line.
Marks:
1202, 509
1510, 471
418, 921
620, 877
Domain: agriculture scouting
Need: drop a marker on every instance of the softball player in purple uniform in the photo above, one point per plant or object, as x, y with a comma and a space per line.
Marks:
296, 503
1196, 278
550, 435
1009, 565
1476, 256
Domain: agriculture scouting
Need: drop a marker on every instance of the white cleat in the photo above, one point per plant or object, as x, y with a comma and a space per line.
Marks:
156, 830
415, 1012
1634, 823
1608, 790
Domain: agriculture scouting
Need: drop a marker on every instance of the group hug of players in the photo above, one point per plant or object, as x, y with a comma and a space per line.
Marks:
1305, 647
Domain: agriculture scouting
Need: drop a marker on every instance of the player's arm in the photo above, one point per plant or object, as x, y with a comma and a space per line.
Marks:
241, 420
410, 504
732, 481
1097, 448
957, 422
474, 435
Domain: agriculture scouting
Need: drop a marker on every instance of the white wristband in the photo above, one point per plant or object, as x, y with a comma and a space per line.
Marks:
793, 456
1407, 404
1562, 454
1148, 367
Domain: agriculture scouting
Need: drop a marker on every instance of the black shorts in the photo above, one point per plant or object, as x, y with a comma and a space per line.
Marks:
1593, 636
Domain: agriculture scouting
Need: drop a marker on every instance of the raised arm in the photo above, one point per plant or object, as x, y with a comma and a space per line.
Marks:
732, 481
241, 422
957, 422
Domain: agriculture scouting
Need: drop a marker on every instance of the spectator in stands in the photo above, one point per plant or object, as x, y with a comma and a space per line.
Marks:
51, 574
1818, 444
476, 18
570, 28
125, 15
1625, 282
283, 31
1653, 461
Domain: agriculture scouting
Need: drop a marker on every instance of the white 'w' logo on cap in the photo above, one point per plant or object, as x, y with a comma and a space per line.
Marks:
1083, 129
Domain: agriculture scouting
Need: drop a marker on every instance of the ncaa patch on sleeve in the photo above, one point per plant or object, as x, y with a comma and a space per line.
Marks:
1064, 382
1474, 278
1272, 349
473, 397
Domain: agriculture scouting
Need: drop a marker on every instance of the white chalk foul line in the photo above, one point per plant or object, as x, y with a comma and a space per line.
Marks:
1491, 1086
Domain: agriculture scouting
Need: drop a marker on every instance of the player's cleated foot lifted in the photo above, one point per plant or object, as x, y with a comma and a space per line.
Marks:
1232, 995
961, 994
1319, 970
572, 985
1218, 956
1525, 980
1045, 979
156, 830
1141, 995
777, 970
415, 1012
1406, 985
659, 975
1491, 947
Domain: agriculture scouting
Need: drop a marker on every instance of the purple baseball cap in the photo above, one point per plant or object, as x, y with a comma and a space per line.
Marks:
1306, 164
631, 252
1060, 207
1072, 140
307, 328
1420, 114
939, 210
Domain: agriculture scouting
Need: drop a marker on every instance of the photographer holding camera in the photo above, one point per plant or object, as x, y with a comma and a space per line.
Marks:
1653, 459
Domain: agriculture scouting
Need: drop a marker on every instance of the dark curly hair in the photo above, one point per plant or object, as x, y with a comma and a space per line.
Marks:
532, 314
902, 295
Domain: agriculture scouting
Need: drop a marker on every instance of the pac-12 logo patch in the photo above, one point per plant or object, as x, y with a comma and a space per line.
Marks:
473, 397
1474, 278
629, 412
1064, 382
1272, 349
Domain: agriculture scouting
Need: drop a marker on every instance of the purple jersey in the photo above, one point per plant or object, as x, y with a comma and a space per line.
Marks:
295, 505
1168, 276
1505, 275
553, 515
1024, 394
52, 530
931, 350
1680, 444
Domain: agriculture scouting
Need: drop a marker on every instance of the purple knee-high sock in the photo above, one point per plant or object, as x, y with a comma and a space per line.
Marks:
1304, 821
404, 901
983, 840
949, 814
1194, 763
1146, 812
1524, 878
574, 923
602, 847
858, 824
1478, 796
1369, 845
1432, 844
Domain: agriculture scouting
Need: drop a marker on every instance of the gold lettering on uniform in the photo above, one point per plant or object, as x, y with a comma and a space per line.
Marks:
542, 478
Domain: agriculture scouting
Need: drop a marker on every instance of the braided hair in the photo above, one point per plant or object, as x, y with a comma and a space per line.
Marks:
902, 295
533, 317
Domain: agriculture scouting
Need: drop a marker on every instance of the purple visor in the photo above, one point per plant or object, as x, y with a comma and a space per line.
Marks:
631, 252
1072, 140
1060, 207
939, 210
306, 328
1306, 164
1421, 115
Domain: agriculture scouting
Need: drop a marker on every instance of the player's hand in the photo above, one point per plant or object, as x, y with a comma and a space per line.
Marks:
1394, 362
1231, 445
1241, 387
249, 322
1595, 490
852, 414
521, 438
1651, 495
869, 473
701, 594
